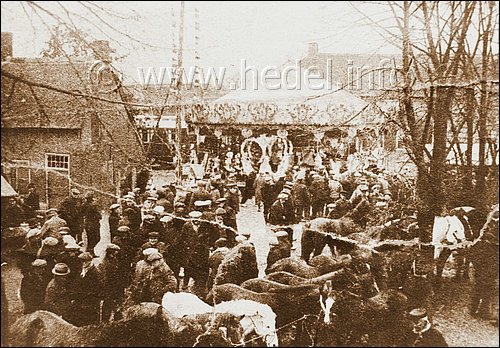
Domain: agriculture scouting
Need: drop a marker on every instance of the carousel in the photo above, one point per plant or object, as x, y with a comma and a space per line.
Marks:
270, 130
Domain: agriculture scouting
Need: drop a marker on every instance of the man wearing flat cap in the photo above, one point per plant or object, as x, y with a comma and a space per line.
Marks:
114, 218
230, 215
33, 285
114, 279
71, 211
87, 292
52, 225
340, 207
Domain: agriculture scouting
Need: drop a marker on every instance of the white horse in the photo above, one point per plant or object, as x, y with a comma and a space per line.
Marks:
255, 317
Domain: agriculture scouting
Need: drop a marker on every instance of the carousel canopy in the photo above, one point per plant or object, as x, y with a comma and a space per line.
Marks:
286, 106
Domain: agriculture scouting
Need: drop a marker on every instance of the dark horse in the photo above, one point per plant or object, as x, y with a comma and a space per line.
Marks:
356, 321
147, 326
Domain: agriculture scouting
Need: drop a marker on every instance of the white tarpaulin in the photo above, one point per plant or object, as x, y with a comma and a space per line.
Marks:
7, 190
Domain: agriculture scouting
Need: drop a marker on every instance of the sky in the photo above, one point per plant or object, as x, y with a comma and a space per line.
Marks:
262, 33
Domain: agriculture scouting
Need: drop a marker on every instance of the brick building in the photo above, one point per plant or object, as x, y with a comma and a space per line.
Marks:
59, 140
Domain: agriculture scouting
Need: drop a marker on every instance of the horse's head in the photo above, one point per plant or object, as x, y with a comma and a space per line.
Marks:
255, 318
263, 324
224, 330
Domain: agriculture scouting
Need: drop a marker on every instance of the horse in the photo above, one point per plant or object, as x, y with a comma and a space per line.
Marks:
349, 319
315, 237
255, 318
318, 265
145, 324
202, 329
321, 232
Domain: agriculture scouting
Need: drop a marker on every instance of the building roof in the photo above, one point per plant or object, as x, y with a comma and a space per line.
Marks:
24, 106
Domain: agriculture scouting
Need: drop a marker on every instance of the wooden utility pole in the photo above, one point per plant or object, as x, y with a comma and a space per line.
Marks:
180, 109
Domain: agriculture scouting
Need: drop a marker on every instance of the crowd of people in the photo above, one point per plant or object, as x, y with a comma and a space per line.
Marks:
173, 238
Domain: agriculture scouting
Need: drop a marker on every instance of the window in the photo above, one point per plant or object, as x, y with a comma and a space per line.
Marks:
57, 161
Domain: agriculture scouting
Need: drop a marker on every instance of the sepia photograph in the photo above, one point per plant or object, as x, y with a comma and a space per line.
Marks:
250, 173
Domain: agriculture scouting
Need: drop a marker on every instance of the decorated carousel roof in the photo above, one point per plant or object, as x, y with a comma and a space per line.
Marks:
304, 106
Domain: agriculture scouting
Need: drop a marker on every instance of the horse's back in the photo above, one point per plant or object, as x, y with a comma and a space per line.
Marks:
184, 303
40, 329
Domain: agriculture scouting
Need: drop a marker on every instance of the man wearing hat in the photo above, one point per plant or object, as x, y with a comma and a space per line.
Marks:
87, 293
278, 214
179, 209
132, 214
69, 256
199, 194
216, 257
114, 218
301, 199
33, 285
12, 213
91, 221
52, 225
362, 209
150, 223
340, 207
280, 250
230, 215
71, 211
113, 279
320, 194
423, 334
152, 278
58, 292
227, 233
195, 253
233, 196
